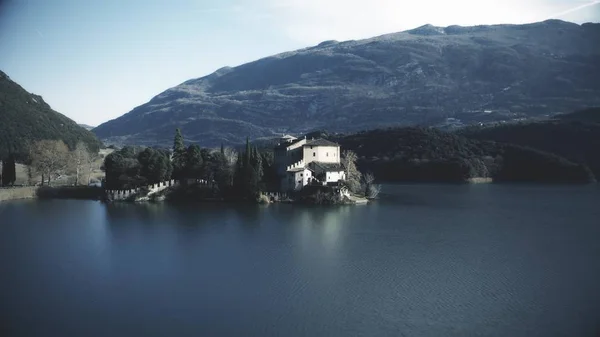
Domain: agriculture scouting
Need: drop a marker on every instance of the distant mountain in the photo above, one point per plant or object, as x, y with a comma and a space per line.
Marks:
87, 127
429, 76
25, 118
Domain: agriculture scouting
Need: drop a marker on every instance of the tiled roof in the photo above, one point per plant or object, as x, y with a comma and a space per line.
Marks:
320, 142
325, 167
284, 145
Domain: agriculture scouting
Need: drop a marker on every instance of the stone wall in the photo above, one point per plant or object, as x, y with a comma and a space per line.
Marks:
132, 193
276, 196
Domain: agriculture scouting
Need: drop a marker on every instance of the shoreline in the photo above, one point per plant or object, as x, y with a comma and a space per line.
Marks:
18, 193
99, 194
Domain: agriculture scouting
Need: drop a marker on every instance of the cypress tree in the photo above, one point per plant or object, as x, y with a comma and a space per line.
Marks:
222, 149
194, 162
9, 172
179, 156
245, 178
3, 175
12, 169
247, 154
239, 163
257, 164
238, 173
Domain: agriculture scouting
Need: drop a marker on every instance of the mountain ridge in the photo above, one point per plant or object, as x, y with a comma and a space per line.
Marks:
469, 74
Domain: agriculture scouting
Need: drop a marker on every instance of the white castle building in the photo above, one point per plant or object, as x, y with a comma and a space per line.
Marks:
301, 162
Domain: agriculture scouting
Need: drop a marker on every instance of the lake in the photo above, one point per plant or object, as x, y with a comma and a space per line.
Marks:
425, 260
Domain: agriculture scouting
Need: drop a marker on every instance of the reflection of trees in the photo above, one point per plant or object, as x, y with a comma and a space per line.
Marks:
250, 216
314, 224
123, 212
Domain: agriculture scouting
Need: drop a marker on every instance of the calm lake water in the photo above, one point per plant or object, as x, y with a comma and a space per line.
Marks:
426, 260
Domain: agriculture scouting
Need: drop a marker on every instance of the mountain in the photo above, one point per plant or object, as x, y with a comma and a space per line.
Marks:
429, 76
25, 118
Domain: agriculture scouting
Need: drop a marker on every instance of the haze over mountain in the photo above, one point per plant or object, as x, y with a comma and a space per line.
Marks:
25, 118
425, 76
87, 127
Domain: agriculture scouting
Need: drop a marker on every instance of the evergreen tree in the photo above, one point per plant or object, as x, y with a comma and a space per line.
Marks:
222, 149
12, 169
9, 172
179, 156
257, 164
238, 172
245, 177
247, 154
3, 175
269, 172
166, 154
150, 168
194, 162
207, 165
222, 171
122, 170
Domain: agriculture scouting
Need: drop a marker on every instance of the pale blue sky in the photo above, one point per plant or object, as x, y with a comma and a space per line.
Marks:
96, 60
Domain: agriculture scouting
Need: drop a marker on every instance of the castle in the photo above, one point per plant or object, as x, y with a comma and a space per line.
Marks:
301, 162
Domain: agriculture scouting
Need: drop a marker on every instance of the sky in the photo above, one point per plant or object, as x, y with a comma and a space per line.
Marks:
97, 60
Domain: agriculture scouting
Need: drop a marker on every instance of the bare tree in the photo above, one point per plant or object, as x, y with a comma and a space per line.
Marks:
90, 165
370, 189
81, 157
50, 158
231, 156
353, 175
30, 175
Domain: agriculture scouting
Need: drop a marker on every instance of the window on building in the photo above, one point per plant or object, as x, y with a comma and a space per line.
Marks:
301, 174
314, 154
326, 154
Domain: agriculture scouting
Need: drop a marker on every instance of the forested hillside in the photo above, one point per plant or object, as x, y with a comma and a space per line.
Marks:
575, 136
591, 115
26, 118
426, 154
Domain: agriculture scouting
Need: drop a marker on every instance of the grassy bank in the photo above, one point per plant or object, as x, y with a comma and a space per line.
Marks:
16, 193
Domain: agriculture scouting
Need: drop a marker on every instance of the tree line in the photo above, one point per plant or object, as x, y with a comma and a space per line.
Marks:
225, 171
575, 137
426, 155
49, 160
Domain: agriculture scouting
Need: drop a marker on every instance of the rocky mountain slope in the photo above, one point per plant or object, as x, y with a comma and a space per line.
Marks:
25, 118
426, 76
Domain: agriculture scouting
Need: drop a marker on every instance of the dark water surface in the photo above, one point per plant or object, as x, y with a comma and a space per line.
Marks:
426, 260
